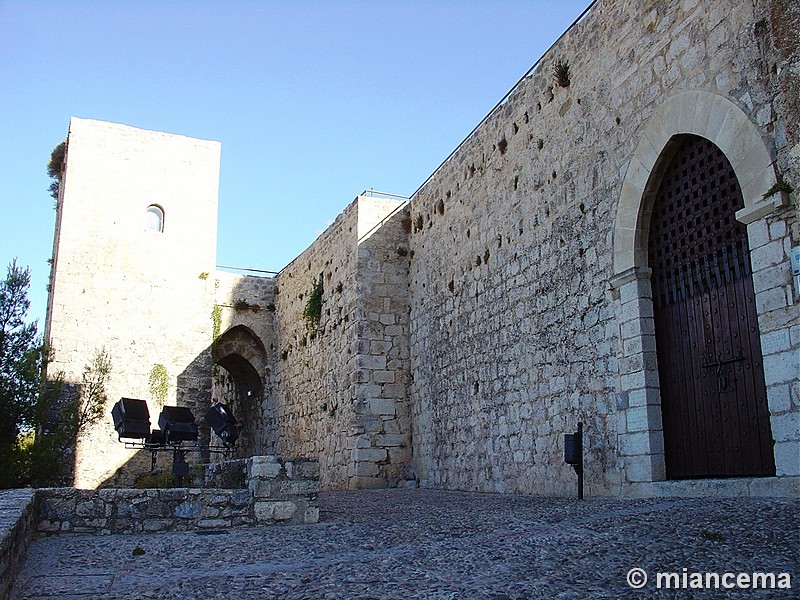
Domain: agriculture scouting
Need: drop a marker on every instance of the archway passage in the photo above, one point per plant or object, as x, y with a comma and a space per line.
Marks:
713, 396
240, 385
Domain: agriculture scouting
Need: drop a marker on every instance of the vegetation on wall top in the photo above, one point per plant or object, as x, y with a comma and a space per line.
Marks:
55, 167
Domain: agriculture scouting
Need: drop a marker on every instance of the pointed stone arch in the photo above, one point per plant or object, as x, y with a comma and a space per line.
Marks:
240, 352
243, 356
704, 114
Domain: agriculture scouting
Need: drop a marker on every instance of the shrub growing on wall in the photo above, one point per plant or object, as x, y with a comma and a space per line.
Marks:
313, 310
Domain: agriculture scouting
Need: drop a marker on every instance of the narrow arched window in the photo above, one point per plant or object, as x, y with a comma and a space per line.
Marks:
154, 219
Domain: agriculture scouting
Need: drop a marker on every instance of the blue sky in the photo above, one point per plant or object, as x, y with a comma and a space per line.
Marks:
313, 102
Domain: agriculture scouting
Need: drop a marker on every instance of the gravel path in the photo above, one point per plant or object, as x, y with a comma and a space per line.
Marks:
432, 544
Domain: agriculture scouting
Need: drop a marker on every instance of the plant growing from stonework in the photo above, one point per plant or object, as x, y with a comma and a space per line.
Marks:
779, 186
561, 72
241, 305
55, 168
216, 329
313, 310
158, 383
216, 323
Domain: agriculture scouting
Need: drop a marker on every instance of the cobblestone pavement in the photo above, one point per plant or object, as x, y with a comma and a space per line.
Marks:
433, 544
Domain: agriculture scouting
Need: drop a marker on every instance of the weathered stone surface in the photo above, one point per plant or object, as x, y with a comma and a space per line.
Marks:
277, 511
461, 334
273, 496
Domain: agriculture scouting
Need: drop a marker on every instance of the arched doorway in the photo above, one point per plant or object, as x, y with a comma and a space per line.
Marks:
715, 118
711, 377
239, 382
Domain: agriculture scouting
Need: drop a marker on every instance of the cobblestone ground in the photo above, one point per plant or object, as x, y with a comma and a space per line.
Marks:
433, 544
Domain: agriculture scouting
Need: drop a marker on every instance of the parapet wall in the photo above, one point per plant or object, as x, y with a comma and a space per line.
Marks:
17, 524
278, 492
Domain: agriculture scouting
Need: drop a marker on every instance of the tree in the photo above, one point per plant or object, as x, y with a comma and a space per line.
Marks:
55, 167
22, 360
40, 418
21, 356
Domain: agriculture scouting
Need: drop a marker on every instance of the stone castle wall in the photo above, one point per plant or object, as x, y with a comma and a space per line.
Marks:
314, 386
383, 370
463, 333
338, 390
516, 332
138, 294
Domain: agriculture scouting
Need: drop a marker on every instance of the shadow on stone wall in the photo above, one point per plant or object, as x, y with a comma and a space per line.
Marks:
235, 370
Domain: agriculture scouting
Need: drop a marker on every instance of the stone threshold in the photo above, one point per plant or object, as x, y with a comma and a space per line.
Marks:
757, 487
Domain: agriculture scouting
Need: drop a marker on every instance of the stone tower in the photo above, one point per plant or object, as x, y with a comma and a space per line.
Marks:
135, 243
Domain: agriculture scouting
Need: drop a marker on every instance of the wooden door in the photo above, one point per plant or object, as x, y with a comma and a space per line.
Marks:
713, 396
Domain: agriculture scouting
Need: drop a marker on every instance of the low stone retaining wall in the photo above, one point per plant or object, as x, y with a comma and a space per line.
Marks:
17, 509
278, 492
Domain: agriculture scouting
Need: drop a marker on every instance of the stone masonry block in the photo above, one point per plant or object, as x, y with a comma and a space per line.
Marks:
641, 443
365, 483
278, 511
377, 363
772, 299
311, 515
394, 390
298, 487
786, 428
383, 376
636, 309
779, 398
639, 379
644, 468
768, 255
265, 470
787, 459
366, 469
399, 455
775, 341
757, 234
264, 488
643, 418
308, 468
644, 397
771, 277
382, 406
781, 367
387, 439
370, 454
